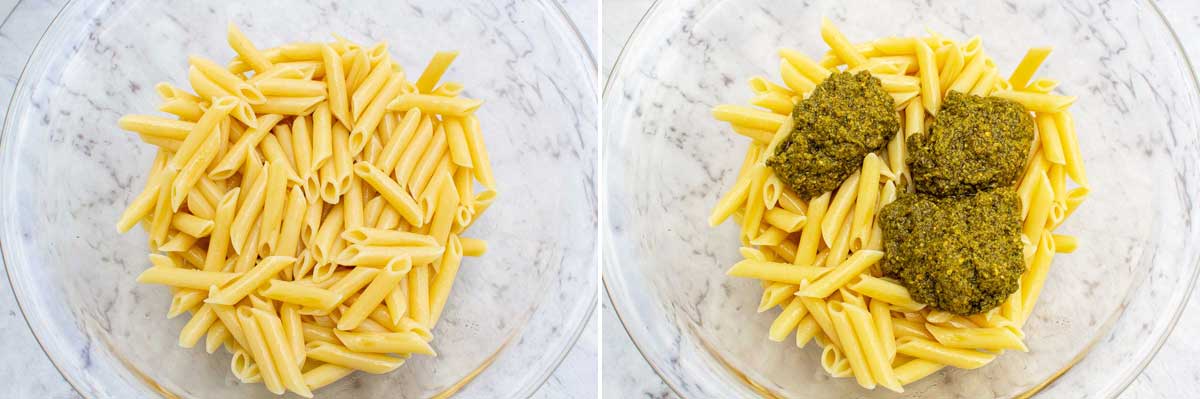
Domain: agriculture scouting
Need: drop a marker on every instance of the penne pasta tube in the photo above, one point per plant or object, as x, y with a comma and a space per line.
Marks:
391, 342
342, 356
916, 369
185, 278
886, 291
249, 281
841, 274
935, 352
774, 271
300, 294
379, 256
325, 374
931, 92
1037, 102
482, 166
994, 338
1028, 66
438, 105
382, 237
839, 208
749, 117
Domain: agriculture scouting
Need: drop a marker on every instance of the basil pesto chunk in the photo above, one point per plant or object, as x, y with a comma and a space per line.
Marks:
958, 254
974, 143
847, 116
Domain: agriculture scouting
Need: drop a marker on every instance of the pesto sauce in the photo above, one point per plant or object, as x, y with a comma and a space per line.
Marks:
958, 254
974, 143
847, 116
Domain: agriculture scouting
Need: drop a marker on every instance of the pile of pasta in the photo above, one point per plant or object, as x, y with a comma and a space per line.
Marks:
306, 206
817, 257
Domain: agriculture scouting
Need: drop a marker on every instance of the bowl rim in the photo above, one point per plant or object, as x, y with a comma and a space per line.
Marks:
553, 9
610, 261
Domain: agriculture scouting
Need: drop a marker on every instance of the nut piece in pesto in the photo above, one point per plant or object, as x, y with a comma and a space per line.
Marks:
847, 116
974, 143
959, 254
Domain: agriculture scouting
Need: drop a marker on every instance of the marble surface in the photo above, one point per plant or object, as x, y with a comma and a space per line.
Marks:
625, 374
24, 369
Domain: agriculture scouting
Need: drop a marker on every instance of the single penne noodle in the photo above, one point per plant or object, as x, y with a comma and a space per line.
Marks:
987, 81
931, 92
201, 130
813, 71
380, 237
390, 342
881, 317
991, 338
432, 104
196, 327
397, 303
794, 79
894, 45
775, 271
342, 356
935, 352
300, 294
864, 207
185, 278
293, 218
841, 244
473, 246
1035, 277
434, 71
335, 82
443, 281
1039, 209
160, 223
839, 208
916, 369
969, 75
785, 220
283, 87
841, 274
841, 47
1037, 102
296, 106
246, 50
457, 142
185, 109
156, 126
251, 280
1065, 126
1052, 148
770, 236
215, 337
886, 291
178, 243
482, 166
273, 206
774, 294
293, 329
749, 117
810, 237
247, 214
169, 92
423, 171
418, 294
325, 374
819, 312
806, 330
1028, 66
323, 241
379, 256
787, 320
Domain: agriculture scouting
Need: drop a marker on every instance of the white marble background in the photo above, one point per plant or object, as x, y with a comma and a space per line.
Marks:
1172, 374
25, 372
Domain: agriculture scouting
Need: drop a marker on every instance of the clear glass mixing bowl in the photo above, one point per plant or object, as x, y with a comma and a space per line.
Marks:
68, 171
1106, 308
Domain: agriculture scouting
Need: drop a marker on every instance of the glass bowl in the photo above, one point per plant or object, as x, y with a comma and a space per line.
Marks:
1106, 308
68, 172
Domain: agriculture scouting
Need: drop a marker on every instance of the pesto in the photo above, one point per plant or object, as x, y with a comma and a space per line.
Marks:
847, 116
958, 254
974, 143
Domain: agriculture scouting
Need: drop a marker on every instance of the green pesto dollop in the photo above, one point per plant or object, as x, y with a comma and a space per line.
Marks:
974, 143
847, 116
958, 254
